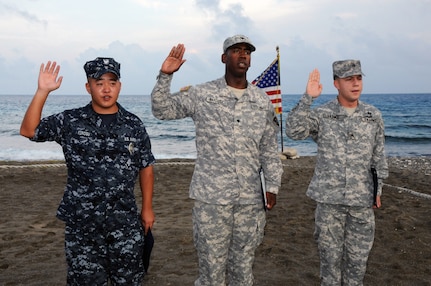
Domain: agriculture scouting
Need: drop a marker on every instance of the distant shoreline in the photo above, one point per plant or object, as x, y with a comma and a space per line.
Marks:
415, 164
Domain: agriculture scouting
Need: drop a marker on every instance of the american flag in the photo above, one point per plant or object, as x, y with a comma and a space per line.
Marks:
269, 81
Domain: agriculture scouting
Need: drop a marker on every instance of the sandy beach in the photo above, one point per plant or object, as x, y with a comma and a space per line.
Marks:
31, 237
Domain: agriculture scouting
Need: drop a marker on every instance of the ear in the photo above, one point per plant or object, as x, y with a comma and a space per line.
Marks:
223, 58
336, 84
87, 87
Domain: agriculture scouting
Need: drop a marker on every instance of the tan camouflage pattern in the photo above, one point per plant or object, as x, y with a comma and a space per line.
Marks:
346, 68
214, 227
234, 137
237, 39
347, 148
345, 236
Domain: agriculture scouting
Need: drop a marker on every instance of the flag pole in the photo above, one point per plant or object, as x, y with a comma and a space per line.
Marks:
281, 113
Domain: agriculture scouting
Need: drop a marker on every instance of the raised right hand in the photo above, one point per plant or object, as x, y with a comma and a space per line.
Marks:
174, 60
48, 74
314, 87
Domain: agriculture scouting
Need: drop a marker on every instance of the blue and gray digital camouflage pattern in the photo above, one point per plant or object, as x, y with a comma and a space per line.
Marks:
103, 164
98, 253
99, 66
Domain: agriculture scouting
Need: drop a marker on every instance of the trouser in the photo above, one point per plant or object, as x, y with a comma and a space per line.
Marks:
226, 238
345, 237
95, 255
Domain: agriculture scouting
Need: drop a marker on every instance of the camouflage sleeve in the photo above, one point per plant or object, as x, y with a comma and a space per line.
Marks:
269, 157
299, 123
50, 128
165, 105
379, 159
146, 154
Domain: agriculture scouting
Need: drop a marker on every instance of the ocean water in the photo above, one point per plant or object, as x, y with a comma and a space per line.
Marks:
407, 119
407, 126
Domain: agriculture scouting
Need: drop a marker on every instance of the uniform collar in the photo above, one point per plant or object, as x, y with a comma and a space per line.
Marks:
90, 113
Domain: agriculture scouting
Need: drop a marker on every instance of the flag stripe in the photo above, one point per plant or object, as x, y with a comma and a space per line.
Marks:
271, 92
269, 82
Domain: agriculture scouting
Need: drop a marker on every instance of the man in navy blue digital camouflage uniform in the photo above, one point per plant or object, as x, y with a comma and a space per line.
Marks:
105, 149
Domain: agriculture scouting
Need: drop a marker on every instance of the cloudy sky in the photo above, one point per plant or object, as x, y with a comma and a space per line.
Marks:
392, 38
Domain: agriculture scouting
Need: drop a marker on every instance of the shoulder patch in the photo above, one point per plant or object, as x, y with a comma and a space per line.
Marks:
185, 88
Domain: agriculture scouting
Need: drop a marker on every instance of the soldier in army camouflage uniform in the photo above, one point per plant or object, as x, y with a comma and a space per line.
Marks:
350, 141
235, 135
106, 148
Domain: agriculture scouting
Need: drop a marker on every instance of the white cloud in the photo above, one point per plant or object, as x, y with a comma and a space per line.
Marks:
390, 37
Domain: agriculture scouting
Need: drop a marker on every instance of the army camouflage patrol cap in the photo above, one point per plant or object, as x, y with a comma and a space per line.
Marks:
98, 67
346, 68
237, 39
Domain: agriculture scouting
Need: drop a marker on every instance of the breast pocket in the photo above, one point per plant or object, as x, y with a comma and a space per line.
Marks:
128, 154
365, 129
83, 146
253, 119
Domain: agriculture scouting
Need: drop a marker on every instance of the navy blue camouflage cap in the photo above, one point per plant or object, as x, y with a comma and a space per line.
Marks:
346, 68
237, 39
98, 67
